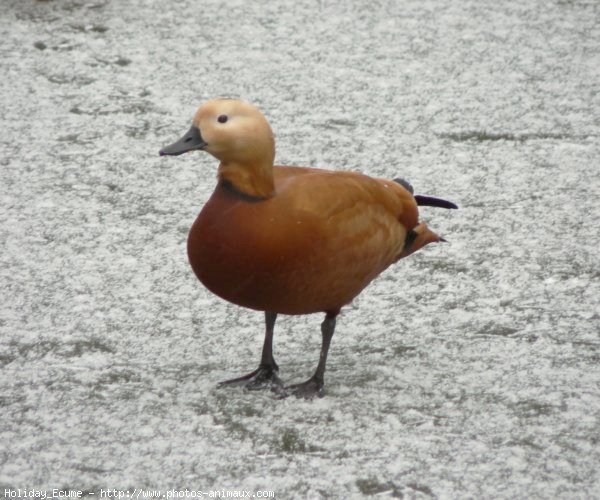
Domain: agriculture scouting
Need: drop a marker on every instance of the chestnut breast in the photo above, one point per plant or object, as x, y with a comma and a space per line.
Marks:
310, 248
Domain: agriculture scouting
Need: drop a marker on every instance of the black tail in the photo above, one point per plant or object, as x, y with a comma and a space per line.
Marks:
431, 201
425, 201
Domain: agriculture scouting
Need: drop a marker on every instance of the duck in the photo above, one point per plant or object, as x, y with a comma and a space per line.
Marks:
289, 240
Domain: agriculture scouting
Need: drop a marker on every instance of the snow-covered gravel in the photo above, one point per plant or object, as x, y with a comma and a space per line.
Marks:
469, 370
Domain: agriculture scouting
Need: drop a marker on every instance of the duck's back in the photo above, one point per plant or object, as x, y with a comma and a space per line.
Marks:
312, 247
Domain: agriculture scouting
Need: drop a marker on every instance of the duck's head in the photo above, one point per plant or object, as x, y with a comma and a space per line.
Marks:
236, 133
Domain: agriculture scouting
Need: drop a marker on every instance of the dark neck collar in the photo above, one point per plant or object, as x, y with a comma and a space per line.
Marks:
230, 189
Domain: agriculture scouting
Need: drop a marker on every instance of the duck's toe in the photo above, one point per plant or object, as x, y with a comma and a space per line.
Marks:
264, 377
310, 389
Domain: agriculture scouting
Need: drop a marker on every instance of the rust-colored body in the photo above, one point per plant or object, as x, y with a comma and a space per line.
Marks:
312, 247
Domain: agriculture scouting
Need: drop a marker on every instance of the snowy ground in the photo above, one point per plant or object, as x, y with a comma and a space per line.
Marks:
470, 370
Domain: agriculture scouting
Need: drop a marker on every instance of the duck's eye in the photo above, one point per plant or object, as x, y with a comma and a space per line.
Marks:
222, 118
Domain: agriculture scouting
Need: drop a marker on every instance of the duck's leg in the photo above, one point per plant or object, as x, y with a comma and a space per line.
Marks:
314, 385
265, 376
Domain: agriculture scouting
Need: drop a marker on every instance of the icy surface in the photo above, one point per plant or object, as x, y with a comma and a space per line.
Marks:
469, 370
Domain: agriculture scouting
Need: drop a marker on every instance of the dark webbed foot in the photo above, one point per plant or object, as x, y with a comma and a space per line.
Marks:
310, 389
264, 377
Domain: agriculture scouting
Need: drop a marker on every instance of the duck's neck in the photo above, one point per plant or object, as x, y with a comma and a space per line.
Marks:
254, 180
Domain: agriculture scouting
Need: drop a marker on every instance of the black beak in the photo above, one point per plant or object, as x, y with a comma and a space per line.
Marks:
189, 142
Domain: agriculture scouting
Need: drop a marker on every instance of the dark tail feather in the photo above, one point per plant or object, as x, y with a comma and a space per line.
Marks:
431, 201
427, 201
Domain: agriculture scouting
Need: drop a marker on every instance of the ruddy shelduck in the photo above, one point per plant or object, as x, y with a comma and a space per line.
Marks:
291, 240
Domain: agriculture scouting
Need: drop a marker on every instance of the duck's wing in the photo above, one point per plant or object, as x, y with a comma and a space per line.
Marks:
383, 212
326, 193
351, 213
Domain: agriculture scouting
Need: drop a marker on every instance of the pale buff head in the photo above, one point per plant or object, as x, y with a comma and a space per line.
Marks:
236, 133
